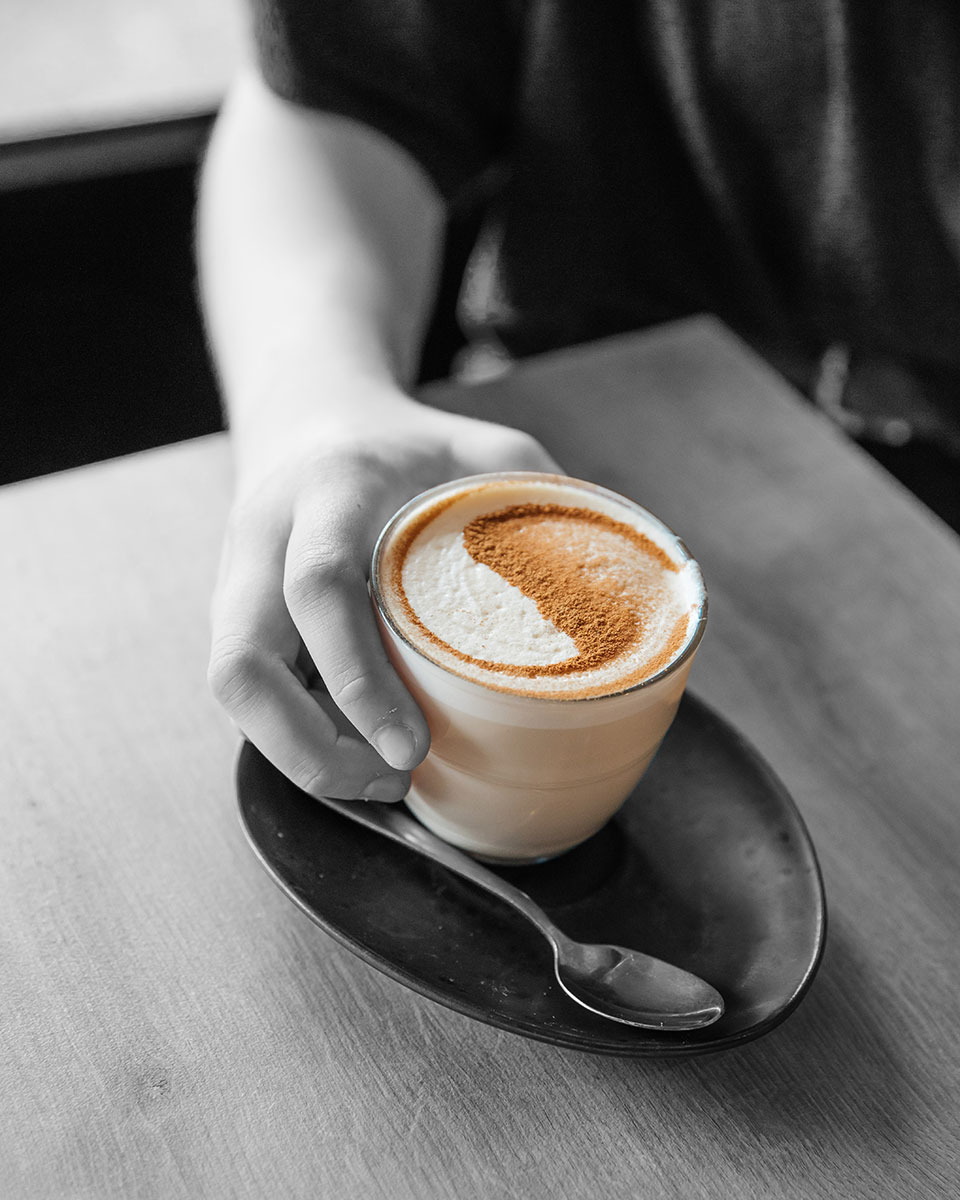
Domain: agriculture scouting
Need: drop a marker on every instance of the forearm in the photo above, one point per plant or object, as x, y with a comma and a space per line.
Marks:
318, 245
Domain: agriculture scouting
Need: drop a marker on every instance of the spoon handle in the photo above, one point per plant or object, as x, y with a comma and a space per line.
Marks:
396, 823
612, 975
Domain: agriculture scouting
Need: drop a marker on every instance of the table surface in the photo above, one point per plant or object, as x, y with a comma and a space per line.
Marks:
173, 1026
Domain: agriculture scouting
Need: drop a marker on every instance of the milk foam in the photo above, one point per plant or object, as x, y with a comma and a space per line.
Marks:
468, 618
471, 608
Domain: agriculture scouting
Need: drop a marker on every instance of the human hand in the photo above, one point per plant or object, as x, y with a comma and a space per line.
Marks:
296, 656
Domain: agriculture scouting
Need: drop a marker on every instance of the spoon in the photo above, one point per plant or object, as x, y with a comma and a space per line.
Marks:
612, 981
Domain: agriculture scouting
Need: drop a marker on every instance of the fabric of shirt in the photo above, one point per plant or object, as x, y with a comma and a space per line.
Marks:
790, 165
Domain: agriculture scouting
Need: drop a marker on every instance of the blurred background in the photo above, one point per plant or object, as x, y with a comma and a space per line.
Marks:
105, 106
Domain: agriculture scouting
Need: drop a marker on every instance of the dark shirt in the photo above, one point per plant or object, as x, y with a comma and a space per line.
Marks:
791, 165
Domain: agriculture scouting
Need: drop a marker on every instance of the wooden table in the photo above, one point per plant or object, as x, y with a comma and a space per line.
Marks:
173, 1027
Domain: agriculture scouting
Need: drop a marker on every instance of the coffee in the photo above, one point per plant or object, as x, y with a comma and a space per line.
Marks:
519, 586
546, 627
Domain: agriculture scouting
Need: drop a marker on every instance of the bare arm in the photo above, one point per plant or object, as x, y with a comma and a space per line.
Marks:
319, 242
318, 249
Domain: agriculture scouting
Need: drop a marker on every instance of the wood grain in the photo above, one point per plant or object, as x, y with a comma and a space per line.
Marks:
173, 1027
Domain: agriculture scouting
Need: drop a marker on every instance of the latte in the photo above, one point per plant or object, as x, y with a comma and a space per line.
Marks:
546, 627
540, 588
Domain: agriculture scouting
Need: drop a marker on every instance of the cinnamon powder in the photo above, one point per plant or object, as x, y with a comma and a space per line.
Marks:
524, 545
591, 596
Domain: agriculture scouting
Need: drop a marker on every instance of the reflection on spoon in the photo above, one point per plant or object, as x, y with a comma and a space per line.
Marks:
614, 982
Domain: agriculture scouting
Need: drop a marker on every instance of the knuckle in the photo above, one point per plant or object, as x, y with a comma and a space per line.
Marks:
522, 439
316, 779
351, 690
527, 448
314, 572
513, 448
234, 672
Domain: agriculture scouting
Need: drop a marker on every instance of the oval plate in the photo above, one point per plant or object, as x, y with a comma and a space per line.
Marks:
708, 865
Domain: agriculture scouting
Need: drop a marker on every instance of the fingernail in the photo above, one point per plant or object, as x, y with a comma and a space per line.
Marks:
385, 789
396, 745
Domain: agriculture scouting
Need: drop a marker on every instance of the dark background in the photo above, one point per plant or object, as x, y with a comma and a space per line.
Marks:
102, 350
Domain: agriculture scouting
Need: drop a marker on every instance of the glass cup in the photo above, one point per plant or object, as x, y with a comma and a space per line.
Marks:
514, 778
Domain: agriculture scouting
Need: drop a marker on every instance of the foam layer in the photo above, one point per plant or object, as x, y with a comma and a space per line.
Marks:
539, 586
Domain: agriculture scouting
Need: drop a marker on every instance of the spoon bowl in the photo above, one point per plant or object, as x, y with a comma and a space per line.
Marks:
637, 989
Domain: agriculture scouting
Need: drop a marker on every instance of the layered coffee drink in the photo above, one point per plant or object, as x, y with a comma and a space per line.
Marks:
546, 626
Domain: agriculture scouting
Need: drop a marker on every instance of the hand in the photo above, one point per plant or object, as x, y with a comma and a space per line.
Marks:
296, 656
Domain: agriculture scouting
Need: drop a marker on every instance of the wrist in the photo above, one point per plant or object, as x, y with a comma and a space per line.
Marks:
292, 418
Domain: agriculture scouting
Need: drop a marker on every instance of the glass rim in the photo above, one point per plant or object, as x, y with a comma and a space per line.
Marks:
464, 483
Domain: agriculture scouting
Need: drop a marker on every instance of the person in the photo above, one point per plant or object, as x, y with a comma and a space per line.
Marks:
792, 167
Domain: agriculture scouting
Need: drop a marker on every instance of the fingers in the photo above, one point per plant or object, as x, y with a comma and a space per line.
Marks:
292, 597
499, 448
253, 674
325, 589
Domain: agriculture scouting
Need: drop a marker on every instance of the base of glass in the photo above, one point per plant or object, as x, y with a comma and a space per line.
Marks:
490, 861
423, 814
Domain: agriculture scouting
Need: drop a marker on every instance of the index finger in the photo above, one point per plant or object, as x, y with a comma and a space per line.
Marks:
253, 674
325, 587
